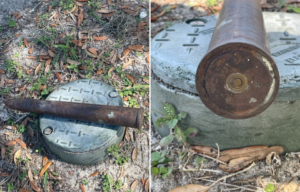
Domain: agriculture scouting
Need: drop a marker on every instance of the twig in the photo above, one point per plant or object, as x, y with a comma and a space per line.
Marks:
25, 115
203, 155
233, 174
232, 185
7, 178
205, 170
218, 151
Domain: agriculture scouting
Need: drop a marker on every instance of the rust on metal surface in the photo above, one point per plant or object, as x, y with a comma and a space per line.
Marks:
237, 78
113, 115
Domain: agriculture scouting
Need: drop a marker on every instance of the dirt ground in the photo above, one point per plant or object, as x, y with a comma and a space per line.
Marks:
282, 174
110, 44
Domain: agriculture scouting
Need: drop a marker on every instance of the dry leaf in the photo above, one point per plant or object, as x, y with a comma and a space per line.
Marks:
26, 42
82, 0
30, 51
291, 186
3, 152
100, 38
11, 127
191, 188
146, 80
28, 156
134, 185
80, 17
10, 81
9, 133
30, 131
23, 190
134, 154
37, 69
108, 14
111, 70
30, 176
23, 145
143, 181
155, 8
147, 185
82, 187
11, 143
105, 11
45, 168
136, 47
17, 155
50, 8
237, 164
4, 174
122, 172
73, 62
130, 78
93, 50
269, 158
48, 62
127, 135
125, 98
17, 34
99, 72
31, 57
126, 52
94, 174
45, 160
34, 186
79, 4
127, 64
50, 52
58, 76
55, 16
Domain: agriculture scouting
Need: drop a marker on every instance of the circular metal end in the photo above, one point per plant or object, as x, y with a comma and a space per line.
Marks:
140, 118
237, 80
47, 131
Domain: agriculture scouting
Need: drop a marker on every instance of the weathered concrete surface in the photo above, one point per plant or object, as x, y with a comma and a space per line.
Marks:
176, 53
278, 125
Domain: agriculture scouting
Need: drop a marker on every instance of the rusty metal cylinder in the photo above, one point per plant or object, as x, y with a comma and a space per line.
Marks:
113, 115
237, 78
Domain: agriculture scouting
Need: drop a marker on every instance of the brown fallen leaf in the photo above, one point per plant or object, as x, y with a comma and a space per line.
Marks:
82, 0
3, 152
100, 38
45, 168
73, 62
99, 72
125, 98
10, 81
45, 160
237, 164
191, 188
31, 57
23, 190
93, 51
134, 185
18, 15
147, 185
108, 14
18, 34
11, 143
2, 71
58, 76
130, 78
48, 62
94, 174
17, 155
30, 51
154, 18
11, 127
205, 150
55, 16
82, 187
50, 52
122, 172
79, 4
26, 42
143, 181
80, 17
111, 69
37, 69
30, 131
28, 156
105, 11
4, 174
146, 80
134, 154
136, 47
126, 52
23, 145
30, 175
34, 186
155, 8
125, 65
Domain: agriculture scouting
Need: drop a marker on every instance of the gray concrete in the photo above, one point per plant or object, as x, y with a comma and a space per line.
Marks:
82, 142
175, 60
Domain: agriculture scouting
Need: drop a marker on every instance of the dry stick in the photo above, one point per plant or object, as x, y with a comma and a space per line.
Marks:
203, 155
206, 170
233, 174
232, 185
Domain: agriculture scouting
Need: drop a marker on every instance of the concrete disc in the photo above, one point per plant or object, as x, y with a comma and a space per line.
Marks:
81, 142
